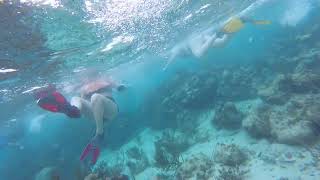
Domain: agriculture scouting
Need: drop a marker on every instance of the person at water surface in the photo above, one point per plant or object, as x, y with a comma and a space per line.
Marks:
200, 44
95, 102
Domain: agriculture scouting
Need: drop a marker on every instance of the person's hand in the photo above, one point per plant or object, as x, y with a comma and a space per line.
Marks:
121, 87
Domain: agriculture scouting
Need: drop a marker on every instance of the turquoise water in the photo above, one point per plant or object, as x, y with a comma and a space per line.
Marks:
62, 42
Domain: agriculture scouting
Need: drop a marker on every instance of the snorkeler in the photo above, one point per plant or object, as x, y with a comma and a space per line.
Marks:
95, 102
200, 44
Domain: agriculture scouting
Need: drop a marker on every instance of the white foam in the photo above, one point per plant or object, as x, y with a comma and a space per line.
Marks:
296, 12
32, 89
188, 17
52, 3
117, 42
202, 8
252, 7
7, 70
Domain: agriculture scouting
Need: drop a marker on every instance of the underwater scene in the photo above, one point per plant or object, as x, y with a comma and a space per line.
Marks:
159, 89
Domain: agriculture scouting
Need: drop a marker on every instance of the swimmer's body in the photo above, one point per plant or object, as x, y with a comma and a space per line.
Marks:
200, 44
95, 103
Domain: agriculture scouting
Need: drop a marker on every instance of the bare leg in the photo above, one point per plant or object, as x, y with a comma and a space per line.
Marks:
102, 108
98, 107
200, 44
178, 50
83, 105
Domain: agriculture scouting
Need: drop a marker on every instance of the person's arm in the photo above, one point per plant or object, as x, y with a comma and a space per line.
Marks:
221, 41
175, 52
117, 86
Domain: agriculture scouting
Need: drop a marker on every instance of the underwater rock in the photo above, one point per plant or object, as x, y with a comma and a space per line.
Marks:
310, 110
285, 86
186, 121
92, 177
257, 123
256, 126
305, 82
313, 115
230, 155
227, 116
293, 122
48, 173
309, 64
197, 167
300, 133
274, 94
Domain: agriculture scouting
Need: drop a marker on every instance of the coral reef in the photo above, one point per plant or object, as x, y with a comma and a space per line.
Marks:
48, 173
176, 103
194, 92
198, 167
230, 173
134, 152
169, 147
229, 155
137, 160
241, 78
305, 82
104, 168
227, 116
131, 160
202, 167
